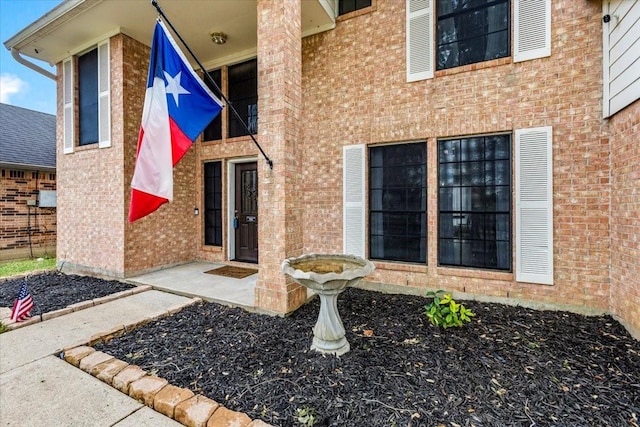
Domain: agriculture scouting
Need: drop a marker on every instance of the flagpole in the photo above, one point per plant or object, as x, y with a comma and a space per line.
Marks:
155, 4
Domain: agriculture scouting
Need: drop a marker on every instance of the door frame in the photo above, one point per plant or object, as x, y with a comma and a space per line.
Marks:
231, 202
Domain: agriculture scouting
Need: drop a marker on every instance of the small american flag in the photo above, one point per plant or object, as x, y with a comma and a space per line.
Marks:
23, 305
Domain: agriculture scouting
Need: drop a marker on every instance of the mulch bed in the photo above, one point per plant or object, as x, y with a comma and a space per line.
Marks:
510, 367
53, 290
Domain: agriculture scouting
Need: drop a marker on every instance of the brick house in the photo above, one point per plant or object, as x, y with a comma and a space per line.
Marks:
487, 148
27, 183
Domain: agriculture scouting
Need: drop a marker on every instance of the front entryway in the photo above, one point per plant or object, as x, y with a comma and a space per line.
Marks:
246, 212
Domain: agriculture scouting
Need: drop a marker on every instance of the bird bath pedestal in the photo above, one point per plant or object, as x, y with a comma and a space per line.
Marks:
328, 276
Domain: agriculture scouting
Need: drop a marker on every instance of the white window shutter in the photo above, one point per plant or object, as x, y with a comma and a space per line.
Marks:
420, 39
531, 29
104, 101
353, 183
67, 106
534, 205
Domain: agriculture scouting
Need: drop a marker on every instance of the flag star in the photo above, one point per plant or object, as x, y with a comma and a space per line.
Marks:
173, 86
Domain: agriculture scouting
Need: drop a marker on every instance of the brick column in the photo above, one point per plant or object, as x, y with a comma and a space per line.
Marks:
279, 106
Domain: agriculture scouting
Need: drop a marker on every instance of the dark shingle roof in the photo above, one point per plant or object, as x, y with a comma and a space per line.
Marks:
27, 137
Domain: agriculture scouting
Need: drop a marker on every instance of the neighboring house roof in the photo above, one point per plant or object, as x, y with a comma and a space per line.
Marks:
28, 138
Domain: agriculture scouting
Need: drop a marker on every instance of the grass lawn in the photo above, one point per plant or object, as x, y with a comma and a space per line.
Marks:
11, 268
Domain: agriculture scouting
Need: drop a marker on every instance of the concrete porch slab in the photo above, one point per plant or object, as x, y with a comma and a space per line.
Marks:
192, 281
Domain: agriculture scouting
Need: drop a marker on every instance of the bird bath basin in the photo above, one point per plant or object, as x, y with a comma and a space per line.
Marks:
328, 276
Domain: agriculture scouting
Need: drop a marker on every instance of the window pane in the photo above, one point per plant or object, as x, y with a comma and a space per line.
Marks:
497, 147
213, 203
449, 252
214, 130
346, 6
397, 202
449, 199
471, 31
475, 211
449, 174
449, 151
88, 97
243, 95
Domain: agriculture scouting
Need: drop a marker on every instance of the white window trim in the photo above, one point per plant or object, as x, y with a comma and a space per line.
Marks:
104, 95
68, 106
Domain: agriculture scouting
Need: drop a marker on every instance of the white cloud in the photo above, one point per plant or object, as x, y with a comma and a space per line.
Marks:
10, 85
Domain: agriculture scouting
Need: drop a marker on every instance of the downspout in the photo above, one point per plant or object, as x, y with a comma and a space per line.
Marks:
16, 55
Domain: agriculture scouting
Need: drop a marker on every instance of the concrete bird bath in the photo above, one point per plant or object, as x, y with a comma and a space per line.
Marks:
328, 275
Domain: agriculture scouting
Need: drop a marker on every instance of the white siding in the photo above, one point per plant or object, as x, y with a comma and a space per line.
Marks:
534, 205
68, 106
353, 182
420, 39
621, 55
531, 29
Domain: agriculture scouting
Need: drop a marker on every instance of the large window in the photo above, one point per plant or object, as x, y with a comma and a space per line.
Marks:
213, 203
398, 202
243, 95
88, 97
347, 6
474, 223
471, 31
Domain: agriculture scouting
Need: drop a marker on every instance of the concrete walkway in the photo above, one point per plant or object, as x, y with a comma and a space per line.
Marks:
37, 388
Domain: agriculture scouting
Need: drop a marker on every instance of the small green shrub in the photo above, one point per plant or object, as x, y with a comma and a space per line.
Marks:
306, 416
444, 311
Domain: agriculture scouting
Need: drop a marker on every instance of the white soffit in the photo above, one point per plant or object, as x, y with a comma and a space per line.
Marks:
67, 29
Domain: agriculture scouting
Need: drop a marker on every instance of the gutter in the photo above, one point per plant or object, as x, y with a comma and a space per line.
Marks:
16, 55
27, 167
55, 17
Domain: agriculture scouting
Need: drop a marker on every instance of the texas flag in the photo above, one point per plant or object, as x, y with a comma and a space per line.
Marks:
178, 106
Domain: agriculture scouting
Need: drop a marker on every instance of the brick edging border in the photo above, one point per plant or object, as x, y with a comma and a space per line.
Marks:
76, 307
179, 404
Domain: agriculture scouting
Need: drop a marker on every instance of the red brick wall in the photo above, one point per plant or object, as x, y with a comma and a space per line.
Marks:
168, 236
95, 187
355, 92
16, 217
625, 217
90, 203
279, 104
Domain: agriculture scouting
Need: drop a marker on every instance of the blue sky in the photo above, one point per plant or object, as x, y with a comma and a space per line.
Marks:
20, 85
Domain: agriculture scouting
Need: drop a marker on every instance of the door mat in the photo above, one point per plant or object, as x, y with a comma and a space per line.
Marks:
231, 271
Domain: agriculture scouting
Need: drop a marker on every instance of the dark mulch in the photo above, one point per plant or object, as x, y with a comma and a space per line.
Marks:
510, 367
53, 290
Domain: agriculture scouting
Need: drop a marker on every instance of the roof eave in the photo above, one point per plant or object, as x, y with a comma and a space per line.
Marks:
25, 166
39, 28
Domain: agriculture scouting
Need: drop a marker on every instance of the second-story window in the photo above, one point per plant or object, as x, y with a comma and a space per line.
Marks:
348, 6
88, 97
471, 31
243, 95
214, 130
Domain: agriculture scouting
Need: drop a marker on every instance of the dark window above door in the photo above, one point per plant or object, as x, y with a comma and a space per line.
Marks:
243, 95
214, 130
